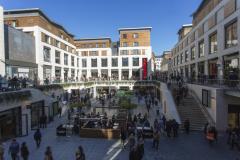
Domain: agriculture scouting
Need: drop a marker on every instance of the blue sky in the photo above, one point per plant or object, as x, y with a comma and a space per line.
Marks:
97, 18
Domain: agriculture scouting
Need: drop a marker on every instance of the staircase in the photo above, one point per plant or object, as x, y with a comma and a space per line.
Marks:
189, 109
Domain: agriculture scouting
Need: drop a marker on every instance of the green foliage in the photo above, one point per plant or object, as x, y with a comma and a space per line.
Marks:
76, 105
125, 103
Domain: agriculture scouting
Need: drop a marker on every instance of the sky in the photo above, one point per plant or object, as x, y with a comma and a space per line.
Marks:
102, 18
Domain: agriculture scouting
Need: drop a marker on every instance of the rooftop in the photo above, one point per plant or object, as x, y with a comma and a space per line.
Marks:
36, 10
93, 39
136, 28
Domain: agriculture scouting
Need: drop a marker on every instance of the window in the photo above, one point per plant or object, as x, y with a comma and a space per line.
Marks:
231, 38
84, 63
77, 62
57, 57
181, 58
136, 51
93, 53
205, 97
104, 62
94, 62
124, 44
213, 43
46, 54
58, 44
72, 61
186, 56
14, 24
104, 45
114, 62
65, 59
178, 59
201, 49
124, 52
61, 36
97, 45
47, 39
135, 61
193, 50
124, 36
84, 53
124, 62
135, 35
135, 44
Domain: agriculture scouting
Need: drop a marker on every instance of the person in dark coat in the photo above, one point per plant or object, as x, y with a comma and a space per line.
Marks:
38, 137
24, 151
14, 149
187, 126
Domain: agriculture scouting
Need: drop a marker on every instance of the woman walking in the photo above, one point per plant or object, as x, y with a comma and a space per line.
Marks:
24, 151
48, 154
80, 154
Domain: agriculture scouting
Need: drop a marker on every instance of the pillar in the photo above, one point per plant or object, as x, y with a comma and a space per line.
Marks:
129, 73
206, 71
2, 49
220, 67
120, 74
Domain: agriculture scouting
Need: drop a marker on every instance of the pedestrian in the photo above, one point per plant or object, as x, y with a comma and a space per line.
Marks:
60, 111
24, 151
140, 146
14, 149
123, 137
1, 152
38, 137
44, 121
175, 127
80, 154
156, 139
48, 153
187, 126
131, 141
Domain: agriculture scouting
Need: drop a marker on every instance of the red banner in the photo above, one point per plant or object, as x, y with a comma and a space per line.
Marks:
144, 68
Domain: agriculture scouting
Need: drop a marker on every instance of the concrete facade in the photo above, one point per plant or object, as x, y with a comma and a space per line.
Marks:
215, 21
2, 50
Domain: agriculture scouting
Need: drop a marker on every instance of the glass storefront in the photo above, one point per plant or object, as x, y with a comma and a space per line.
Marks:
10, 123
24, 72
234, 115
37, 110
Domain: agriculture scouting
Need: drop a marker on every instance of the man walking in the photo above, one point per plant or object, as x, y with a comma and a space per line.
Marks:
14, 149
38, 137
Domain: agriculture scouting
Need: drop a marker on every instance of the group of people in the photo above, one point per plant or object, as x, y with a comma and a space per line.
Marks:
13, 83
15, 149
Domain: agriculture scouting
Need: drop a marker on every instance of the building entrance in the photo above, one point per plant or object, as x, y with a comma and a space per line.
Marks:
234, 115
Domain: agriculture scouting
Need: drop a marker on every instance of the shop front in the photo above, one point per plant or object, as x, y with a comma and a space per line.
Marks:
37, 110
234, 115
10, 123
231, 66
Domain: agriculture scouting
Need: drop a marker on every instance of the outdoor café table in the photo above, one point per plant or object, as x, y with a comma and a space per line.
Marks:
69, 129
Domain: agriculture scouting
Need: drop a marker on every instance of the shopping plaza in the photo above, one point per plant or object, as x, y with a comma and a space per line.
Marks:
44, 68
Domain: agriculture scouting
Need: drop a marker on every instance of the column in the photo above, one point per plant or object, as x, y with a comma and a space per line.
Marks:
53, 77
196, 70
2, 50
120, 74
206, 71
141, 74
220, 67
109, 73
62, 75
129, 73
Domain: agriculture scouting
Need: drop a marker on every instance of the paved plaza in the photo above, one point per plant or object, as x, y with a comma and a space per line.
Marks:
185, 147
